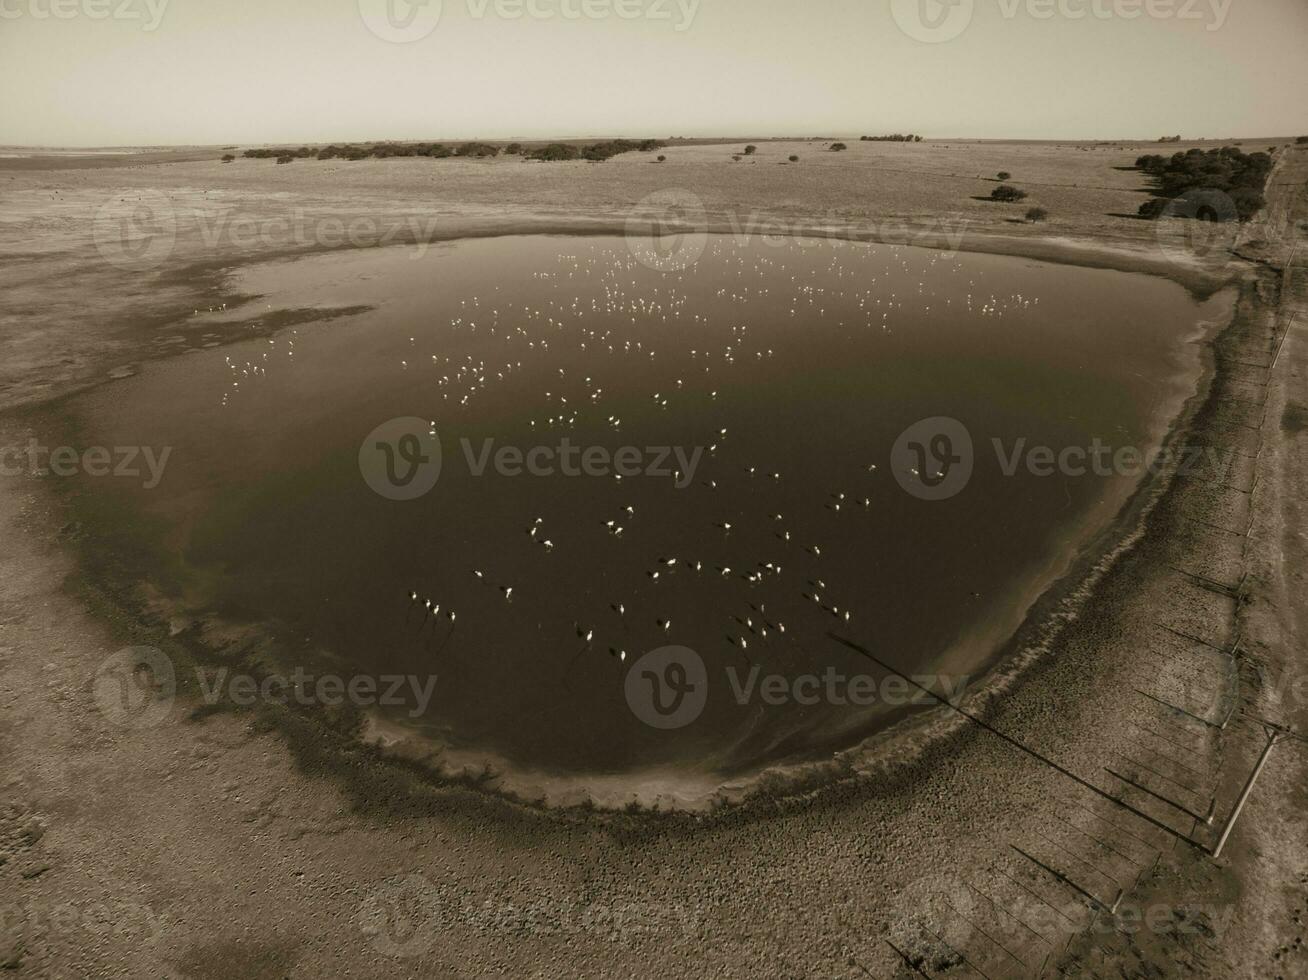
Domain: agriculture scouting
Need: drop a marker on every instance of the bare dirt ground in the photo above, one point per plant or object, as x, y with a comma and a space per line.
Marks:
213, 845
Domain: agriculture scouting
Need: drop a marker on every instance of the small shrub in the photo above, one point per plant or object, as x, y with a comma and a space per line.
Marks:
794, 158
1153, 208
1003, 175
663, 159
737, 157
1007, 194
287, 158
228, 157
751, 150
513, 149
837, 147
1036, 214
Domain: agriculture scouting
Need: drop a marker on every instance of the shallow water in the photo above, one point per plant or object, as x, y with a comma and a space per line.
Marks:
792, 367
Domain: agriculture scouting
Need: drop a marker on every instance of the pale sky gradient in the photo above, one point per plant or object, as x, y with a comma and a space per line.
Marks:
292, 71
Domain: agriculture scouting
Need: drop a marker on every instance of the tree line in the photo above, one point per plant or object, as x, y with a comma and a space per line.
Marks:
475, 150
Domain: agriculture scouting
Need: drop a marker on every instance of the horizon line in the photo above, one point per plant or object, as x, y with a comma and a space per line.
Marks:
726, 138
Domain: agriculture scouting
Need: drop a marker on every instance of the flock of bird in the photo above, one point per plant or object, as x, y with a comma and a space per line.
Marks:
598, 326
602, 343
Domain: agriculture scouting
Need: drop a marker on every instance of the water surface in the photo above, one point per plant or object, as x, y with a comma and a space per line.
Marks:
792, 367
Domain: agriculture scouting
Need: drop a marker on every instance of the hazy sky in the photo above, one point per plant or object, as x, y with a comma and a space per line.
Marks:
117, 72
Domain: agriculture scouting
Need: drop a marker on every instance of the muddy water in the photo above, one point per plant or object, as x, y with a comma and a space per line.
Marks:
758, 395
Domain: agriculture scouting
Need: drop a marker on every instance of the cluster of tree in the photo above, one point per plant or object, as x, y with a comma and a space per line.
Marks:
893, 138
595, 151
1302, 140
303, 151
381, 151
1169, 139
362, 151
837, 147
1239, 175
